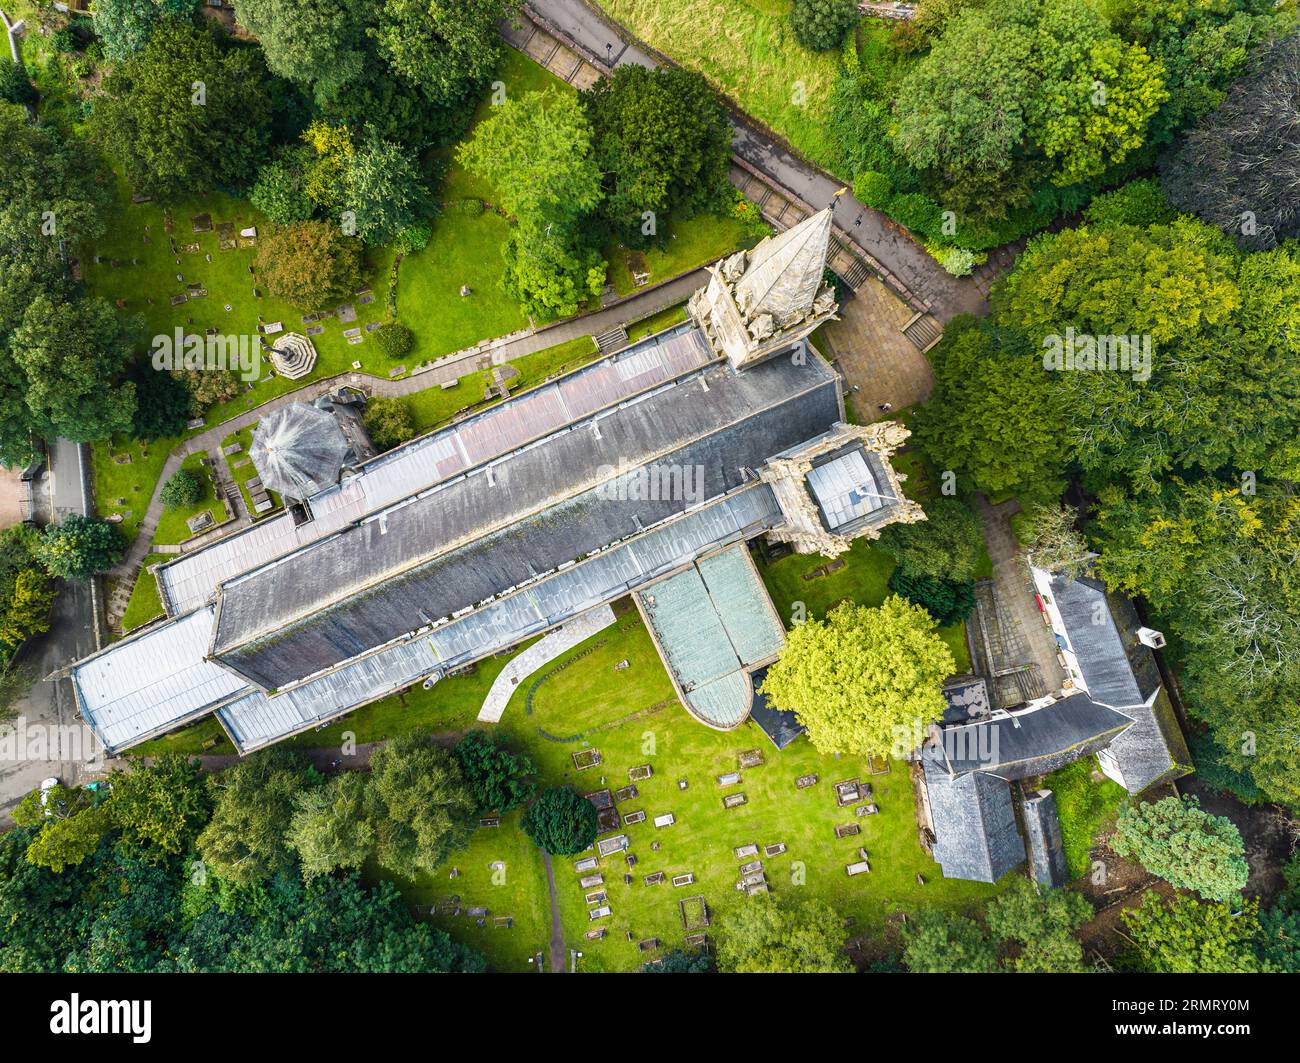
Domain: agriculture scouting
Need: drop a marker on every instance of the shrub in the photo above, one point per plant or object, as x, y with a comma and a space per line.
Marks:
183, 489
389, 422
415, 237
873, 188
394, 339
15, 85
917, 212
820, 25
1185, 846
945, 600
1138, 203
956, 260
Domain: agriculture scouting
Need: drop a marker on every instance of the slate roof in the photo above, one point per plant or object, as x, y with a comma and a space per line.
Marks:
1033, 741
1102, 630
1153, 750
974, 824
1043, 829
785, 271
494, 529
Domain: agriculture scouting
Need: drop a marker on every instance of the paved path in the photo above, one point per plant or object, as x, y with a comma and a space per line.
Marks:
540, 653
886, 240
635, 307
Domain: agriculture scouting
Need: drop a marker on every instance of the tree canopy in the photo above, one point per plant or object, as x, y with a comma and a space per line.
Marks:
1188, 847
561, 821
863, 681
767, 936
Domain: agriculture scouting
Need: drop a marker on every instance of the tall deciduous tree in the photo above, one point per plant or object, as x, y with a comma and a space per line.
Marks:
863, 681
78, 547
496, 775
938, 942
948, 544
329, 828
182, 117
1187, 936
164, 804
767, 936
442, 45
320, 44
418, 804
310, 264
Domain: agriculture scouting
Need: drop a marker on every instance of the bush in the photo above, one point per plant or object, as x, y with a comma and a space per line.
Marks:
1138, 203
280, 192
917, 212
945, 600
495, 775
183, 489
873, 188
561, 821
15, 85
820, 25
389, 422
394, 339
956, 260
414, 237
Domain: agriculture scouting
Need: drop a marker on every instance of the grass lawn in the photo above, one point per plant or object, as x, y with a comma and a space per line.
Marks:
145, 603
592, 704
434, 405
689, 243
131, 481
172, 527
747, 49
1085, 807
660, 321
242, 470
501, 870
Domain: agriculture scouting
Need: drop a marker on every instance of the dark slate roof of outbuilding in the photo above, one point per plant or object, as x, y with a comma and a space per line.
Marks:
1035, 741
1153, 750
1102, 628
780, 725
975, 833
540, 507
1043, 829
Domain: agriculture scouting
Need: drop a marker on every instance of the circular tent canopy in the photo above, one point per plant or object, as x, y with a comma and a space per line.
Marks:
298, 450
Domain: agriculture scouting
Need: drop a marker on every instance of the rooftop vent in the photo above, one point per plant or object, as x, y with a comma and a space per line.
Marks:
1149, 636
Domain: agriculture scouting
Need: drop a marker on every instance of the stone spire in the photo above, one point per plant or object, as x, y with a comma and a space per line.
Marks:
760, 303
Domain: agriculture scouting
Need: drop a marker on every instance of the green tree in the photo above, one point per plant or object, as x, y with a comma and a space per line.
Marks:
1180, 842
329, 828
681, 961
767, 936
418, 804
548, 275
78, 547
536, 152
821, 24
182, 117
1055, 545
319, 44
995, 419
124, 26
948, 544
938, 942
495, 774
15, 85
561, 821
70, 827
947, 601
389, 422
164, 804
244, 843
442, 45
863, 681
181, 490
73, 355
310, 264
1040, 924
384, 191
1187, 936
394, 339
663, 140
280, 192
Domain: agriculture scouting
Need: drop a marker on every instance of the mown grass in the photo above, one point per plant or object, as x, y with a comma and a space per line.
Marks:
747, 49
145, 603
688, 244
172, 526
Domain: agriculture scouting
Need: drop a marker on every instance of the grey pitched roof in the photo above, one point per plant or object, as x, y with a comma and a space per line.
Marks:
1102, 629
1153, 750
299, 450
975, 833
1035, 741
543, 506
1043, 829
